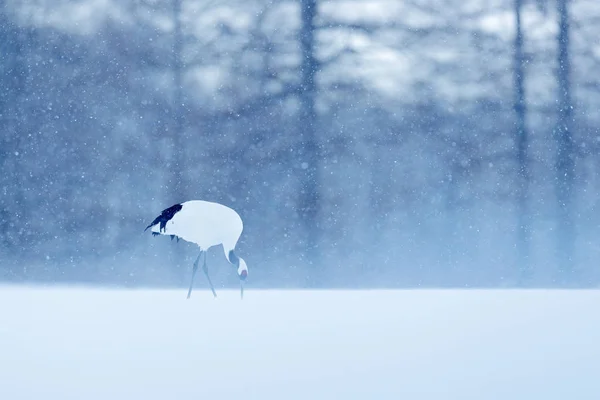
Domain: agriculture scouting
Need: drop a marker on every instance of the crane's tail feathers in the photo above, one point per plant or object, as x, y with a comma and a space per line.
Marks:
152, 224
165, 216
156, 221
171, 236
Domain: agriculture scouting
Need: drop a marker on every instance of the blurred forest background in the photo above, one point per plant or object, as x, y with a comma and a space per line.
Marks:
365, 143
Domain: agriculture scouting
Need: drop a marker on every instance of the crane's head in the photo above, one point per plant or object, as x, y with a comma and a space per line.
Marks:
243, 274
242, 269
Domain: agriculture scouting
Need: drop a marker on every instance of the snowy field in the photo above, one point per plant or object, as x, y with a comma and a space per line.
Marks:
413, 344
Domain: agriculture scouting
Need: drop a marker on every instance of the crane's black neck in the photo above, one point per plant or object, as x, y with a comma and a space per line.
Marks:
234, 259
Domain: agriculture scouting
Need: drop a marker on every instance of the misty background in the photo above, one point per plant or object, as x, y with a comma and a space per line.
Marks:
365, 143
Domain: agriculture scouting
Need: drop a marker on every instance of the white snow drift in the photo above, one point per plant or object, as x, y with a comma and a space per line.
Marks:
419, 344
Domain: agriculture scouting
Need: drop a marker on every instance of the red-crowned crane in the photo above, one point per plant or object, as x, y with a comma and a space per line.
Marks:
206, 224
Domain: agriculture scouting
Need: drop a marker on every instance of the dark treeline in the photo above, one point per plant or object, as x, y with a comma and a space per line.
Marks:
364, 143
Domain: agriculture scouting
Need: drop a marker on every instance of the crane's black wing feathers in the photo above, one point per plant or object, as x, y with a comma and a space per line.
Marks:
164, 217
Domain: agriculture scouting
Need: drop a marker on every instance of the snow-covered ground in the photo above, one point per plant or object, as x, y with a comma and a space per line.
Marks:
79, 343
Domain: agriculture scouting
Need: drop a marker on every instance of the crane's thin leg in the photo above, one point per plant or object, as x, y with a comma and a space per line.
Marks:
205, 269
194, 273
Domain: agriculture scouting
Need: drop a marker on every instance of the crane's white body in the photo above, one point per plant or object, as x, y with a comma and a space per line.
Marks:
206, 224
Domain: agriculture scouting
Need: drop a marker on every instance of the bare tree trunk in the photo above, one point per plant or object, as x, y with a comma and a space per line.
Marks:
309, 201
13, 210
177, 187
176, 190
565, 161
522, 141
